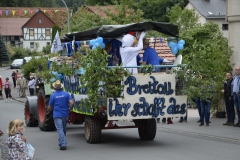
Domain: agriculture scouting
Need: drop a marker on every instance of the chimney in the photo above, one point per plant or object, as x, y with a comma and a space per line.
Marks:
207, 0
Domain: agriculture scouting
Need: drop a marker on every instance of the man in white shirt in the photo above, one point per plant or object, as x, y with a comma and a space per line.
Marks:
31, 85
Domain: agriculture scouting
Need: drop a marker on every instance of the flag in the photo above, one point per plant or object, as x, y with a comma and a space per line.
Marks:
25, 12
6, 12
56, 45
19, 12
0, 12
13, 13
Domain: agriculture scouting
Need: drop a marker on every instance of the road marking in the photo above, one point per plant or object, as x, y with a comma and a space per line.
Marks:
199, 135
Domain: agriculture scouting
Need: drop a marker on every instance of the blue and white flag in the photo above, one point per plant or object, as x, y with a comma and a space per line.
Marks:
56, 45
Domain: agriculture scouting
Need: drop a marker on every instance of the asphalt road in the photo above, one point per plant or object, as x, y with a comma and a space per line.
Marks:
122, 144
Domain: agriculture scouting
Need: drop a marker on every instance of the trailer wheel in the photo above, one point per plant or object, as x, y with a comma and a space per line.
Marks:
45, 119
92, 128
30, 120
147, 129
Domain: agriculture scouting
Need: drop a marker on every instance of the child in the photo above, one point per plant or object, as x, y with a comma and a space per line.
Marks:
16, 141
7, 87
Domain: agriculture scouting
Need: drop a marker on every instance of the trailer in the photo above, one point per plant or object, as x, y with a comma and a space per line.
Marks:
144, 97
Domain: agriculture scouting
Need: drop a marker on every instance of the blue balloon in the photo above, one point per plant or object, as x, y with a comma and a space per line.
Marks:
181, 42
99, 39
103, 45
180, 46
171, 44
94, 47
93, 42
97, 44
174, 50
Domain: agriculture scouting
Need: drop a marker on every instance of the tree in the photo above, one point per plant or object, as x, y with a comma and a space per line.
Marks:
98, 2
185, 19
206, 54
157, 10
4, 57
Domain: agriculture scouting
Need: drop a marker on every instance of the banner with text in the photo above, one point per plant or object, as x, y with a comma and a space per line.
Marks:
147, 96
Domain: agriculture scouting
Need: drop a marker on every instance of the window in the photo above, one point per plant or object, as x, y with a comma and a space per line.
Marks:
31, 44
31, 32
12, 42
16, 38
224, 26
48, 43
39, 20
47, 32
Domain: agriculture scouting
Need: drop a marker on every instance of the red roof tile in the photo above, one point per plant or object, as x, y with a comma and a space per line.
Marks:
12, 26
100, 10
57, 15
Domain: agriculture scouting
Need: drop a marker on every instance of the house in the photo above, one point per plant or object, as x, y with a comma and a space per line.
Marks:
27, 27
233, 18
211, 10
37, 31
10, 30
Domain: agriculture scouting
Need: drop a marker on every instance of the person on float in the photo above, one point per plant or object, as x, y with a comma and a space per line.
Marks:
129, 52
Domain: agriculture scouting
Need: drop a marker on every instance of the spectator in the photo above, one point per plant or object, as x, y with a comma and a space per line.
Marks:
1, 133
14, 78
31, 85
1, 88
236, 94
22, 83
205, 103
227, 89
16, 75
7, 88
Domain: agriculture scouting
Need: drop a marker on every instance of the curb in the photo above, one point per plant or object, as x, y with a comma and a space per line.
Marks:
18, 100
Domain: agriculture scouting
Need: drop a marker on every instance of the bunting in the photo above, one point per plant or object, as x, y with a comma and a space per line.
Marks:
19, 12
44, 11
0, 12
48, 11
6, 12
13, 13
56, 11
25, 11
31, 11
37, 10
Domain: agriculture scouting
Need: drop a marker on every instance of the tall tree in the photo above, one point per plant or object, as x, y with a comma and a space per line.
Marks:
4, 56
206, 53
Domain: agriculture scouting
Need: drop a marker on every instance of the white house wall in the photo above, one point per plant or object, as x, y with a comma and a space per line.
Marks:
39, 37
202, 19
220, 23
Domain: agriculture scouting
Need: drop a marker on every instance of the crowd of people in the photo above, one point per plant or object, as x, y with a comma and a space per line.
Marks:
18, 80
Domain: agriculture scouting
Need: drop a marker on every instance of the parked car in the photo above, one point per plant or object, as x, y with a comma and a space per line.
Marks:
17, 63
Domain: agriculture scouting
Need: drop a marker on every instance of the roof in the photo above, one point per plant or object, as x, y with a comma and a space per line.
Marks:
114, 31
12, 26
214, 9
100, 10
35, 15
57, 15
162, 49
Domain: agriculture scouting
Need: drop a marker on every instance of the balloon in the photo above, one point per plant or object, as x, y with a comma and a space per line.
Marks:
180, 46
94, 47
171, 44
92, 42
97, 44
103, 45
99, 39
181, 42
174, 50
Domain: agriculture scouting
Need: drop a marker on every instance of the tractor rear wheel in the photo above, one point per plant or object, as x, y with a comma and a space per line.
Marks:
147, 129
30, 120
92, 128
45, 119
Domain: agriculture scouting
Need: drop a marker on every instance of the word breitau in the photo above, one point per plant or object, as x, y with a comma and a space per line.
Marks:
160, 91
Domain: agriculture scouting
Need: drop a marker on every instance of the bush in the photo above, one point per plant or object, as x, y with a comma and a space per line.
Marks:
33, 65
19, 53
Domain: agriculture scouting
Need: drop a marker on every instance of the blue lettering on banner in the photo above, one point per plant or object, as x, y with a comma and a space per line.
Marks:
145, 109
150, 88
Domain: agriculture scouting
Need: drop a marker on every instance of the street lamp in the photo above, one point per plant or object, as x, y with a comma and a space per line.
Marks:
68, 16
